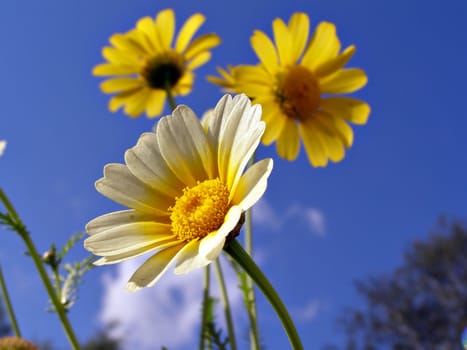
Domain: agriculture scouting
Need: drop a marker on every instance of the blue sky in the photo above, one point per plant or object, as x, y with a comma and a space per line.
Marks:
316, 230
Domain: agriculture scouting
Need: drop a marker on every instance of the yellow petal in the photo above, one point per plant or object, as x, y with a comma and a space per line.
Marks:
334, 146
190, 27
125, 42
146, 35
136, 104
155, 103
332, 65
200, 44
119, 84
343, 81
255, 74
118, 56
165, 24
288, 143
114, 69
253, 90
299, 26
121, 99
265, 50
141, 39
275, 123
314, 146
227, 79
323, 46
351, 109
335, 126
184, 85
199, 60
283, 41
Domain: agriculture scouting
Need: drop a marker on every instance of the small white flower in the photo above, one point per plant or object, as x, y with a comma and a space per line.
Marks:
2, 146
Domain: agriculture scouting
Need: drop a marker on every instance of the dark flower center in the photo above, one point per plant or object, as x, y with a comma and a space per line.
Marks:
163, 71
298, 93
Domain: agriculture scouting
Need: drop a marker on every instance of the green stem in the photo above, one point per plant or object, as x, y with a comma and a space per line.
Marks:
236, 251
9, 306
251, 302
58, 306
58, 287
225, 302
170, 97
204, 316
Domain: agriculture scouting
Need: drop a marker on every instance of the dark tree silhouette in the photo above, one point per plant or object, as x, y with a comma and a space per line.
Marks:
422, 305
102, 340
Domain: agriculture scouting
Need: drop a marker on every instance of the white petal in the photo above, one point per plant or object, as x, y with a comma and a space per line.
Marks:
113, 259
239, 135
244, 150
153, 268
123, 238
212, 121
253, 184
190, 259
146, 162
120, 185
184, 146
211, 245
116, 218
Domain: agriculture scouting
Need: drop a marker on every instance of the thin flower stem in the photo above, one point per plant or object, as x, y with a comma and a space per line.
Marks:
225, 302
58, 306
236, 251
58, 287
9, 306
251, 302
204, 316
170, 97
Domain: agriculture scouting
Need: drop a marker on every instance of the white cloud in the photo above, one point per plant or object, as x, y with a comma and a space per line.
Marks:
316, 221
265, 215
167, 314
309, 311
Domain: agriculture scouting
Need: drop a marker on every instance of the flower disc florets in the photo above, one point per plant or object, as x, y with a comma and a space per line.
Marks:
298, 93
200, 210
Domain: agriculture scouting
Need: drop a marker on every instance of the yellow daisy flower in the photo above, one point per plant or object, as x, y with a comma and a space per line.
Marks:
186, 189
143, 63
295, 83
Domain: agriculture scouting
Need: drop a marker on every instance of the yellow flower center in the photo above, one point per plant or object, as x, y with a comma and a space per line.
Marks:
200, 210
163, 70
298, 93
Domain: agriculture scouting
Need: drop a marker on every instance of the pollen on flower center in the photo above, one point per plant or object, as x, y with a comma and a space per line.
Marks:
162, 70
298, 93
200, 210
